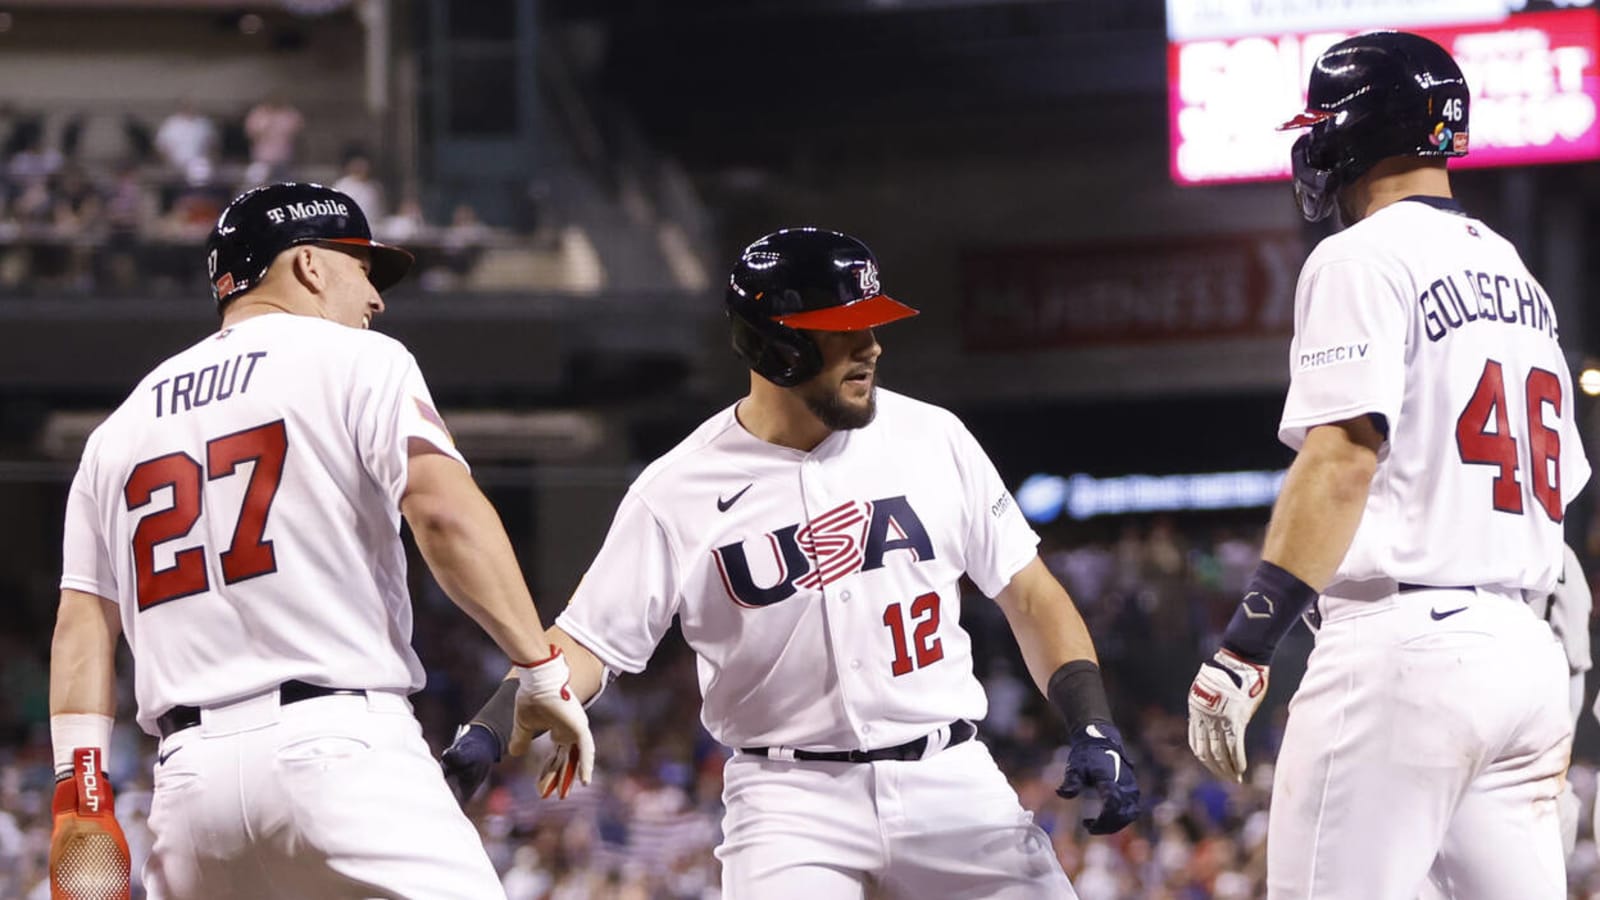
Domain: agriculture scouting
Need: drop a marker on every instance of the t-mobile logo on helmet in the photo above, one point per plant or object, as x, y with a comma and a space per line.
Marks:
280, 214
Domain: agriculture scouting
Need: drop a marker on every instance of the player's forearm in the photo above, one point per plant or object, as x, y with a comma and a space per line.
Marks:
1323, 496
1056, 646
1048, 628
83, 656
466, 548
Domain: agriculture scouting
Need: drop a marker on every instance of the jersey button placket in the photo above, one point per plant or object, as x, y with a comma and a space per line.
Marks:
815, 496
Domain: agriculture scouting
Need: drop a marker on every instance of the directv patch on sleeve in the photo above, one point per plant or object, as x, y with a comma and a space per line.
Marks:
1323, 357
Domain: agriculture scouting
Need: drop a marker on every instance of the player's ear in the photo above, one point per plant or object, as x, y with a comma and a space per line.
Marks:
309, 268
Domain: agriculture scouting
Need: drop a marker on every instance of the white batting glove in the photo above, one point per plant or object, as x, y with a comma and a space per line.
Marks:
545, 702
1222, 699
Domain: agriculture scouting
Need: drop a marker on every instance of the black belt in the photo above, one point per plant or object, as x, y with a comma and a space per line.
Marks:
1407, 587
180, 717
961, 731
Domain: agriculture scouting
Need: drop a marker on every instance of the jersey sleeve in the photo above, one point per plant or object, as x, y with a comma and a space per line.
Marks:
627, 599
1000, 542
392, 406
1347, 358
85, 555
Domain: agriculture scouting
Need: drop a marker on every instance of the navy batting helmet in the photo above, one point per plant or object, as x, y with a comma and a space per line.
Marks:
265, 221
797, 280
1372, 96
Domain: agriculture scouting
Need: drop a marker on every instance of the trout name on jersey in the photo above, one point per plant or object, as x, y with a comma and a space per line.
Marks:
213, 383
1486, 296
852, 537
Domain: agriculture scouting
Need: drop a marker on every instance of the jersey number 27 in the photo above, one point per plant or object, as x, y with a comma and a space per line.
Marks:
248, 555
1479, 445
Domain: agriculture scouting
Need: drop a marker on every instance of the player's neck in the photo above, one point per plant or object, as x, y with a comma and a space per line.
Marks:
779, 416
1391, 181
261, 302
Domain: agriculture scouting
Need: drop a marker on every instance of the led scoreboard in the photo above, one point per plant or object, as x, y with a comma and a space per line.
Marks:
1236, 69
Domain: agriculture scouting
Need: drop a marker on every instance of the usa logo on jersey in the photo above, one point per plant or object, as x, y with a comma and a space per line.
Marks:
852, 537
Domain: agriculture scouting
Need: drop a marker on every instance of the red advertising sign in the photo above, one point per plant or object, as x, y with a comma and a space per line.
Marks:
1535, 80
1138, 292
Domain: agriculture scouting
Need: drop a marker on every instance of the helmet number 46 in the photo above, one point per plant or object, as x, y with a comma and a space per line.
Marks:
1452, 109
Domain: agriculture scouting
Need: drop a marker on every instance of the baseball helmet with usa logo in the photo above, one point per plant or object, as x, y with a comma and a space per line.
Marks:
798, 280
1370, 97
265, 221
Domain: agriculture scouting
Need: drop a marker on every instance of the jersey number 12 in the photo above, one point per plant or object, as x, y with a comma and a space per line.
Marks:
248, 555
927, 648
1478, 445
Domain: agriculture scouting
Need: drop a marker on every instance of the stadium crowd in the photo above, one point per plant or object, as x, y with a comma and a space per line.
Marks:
1154, 590
126, 214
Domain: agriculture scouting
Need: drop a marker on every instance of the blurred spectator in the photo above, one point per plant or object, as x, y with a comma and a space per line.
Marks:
460, 245
273, 127
357, 181
187, 141
33, 162
404, 225
194, 212
78, 203
527, 879
34, 207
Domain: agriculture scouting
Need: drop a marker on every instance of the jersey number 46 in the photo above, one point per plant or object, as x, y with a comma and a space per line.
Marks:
248, 555
1479, 445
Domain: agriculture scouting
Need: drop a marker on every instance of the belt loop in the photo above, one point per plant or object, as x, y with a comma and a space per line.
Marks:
938, 739
783, 753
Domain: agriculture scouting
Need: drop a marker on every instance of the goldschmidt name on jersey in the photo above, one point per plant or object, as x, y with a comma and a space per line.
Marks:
1488, 297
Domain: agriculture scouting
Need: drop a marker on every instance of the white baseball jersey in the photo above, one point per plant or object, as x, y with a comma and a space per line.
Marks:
1425, 317
242, 507
820, 590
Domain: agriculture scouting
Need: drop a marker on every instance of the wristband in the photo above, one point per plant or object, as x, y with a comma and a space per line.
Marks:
70, 731
499, 715
1077, 692
1274, 599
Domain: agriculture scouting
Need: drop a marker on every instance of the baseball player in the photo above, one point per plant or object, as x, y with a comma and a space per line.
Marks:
1433, 414
237, 518
810, 539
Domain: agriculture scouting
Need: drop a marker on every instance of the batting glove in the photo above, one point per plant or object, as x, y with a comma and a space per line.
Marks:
1222, 699
468, 759
88, 854
1097, 759
545, 702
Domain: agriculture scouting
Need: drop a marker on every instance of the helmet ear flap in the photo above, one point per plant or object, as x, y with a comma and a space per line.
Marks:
776, 352
1315, 182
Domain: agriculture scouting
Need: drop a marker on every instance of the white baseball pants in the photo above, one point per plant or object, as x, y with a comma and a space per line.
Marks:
1424, 750
947, 826
331, 797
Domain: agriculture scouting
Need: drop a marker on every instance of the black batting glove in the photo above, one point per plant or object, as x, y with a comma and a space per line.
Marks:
1096, 759
468, 759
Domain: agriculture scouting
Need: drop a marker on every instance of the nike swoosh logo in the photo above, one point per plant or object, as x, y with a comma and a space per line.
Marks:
723, 505
1437, 616
161, 758
1116, 773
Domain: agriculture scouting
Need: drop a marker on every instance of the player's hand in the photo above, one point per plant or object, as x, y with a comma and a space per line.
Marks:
545, 702
468, 759
88, 854
1096, 759
1222, 699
